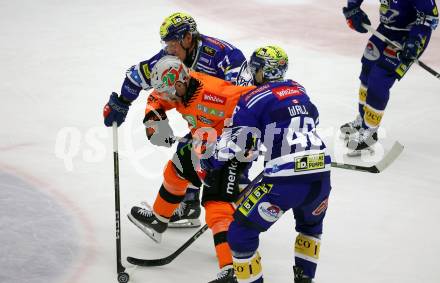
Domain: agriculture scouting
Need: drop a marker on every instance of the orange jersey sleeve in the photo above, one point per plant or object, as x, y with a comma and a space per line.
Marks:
154, 102
212, 103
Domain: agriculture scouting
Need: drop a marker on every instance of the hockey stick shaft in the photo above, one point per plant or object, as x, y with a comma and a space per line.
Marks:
120, 268
171, 257
398, 46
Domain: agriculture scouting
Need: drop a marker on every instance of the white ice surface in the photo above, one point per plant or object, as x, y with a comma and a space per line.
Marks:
59, 62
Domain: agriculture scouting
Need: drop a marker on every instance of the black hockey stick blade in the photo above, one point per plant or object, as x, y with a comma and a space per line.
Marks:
171, 257
389, 158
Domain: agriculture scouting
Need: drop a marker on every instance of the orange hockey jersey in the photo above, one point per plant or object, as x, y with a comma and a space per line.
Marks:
212, 103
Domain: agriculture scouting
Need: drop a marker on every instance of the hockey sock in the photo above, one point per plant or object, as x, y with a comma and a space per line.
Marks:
372, 117
307, 253
249, 269
362, 99
166, 203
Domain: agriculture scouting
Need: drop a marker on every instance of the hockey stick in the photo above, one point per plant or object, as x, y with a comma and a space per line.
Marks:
397, 45
171, 257
394, 152
123, 277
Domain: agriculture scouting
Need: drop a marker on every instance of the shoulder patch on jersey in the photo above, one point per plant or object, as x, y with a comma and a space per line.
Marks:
146, 71
283, 92
209, 51
215, 42
134, 76
213, 98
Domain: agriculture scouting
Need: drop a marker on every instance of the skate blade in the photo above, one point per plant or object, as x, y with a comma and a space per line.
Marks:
356, 153
155, 236
185, 223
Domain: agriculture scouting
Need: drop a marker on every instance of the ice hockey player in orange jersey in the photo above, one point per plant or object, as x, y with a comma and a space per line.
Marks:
204, 102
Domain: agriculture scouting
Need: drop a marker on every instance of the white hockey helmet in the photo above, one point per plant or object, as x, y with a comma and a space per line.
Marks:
165, 73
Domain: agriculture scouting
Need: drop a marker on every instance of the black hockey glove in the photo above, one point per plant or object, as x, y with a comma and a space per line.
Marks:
355, 17
158, 129
411, 49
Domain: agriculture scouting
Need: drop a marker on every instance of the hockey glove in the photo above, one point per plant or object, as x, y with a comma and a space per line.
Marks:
355, 18
411, 49
115, 110
158, 129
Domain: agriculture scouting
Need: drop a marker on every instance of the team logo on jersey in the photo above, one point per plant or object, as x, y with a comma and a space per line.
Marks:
310, 162
286, 91
212, 98
208, 51
205, 120
210, 111
321, 207
269, 212
371, 52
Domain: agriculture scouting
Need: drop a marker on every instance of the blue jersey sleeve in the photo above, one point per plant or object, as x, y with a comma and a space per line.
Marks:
427, 19
138, 77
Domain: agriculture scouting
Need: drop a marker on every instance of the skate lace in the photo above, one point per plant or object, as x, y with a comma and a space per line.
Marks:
222, 274
356, 123
181, 209
145, 212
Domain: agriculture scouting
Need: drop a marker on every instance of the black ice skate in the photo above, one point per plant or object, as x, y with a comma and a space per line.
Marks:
186, 215
299, 275
351, 128
226, 275
145, 220
363, 140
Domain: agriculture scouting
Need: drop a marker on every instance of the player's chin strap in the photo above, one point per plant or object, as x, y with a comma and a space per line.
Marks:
398, 46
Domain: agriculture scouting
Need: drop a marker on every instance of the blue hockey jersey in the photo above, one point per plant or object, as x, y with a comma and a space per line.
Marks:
415, 16
214, 57
281, 116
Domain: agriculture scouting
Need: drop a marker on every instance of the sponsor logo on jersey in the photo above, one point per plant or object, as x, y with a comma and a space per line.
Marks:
255, 91
212, 98
286, 91
210, 111
190, 119
310, 162
269, 212
249, 203
321, 207
232, 177
208, 51
205, 120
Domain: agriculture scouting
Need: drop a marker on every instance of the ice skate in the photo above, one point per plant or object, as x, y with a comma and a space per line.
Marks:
350, 128
226, 275
299, 275
145, 220
186, 215
362, 141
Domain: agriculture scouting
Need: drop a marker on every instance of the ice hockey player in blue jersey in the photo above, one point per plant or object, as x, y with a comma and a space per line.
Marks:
407, 22
180, 37
280, 115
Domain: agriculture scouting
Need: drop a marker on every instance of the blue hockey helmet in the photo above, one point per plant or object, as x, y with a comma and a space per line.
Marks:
272, 60
175, 26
